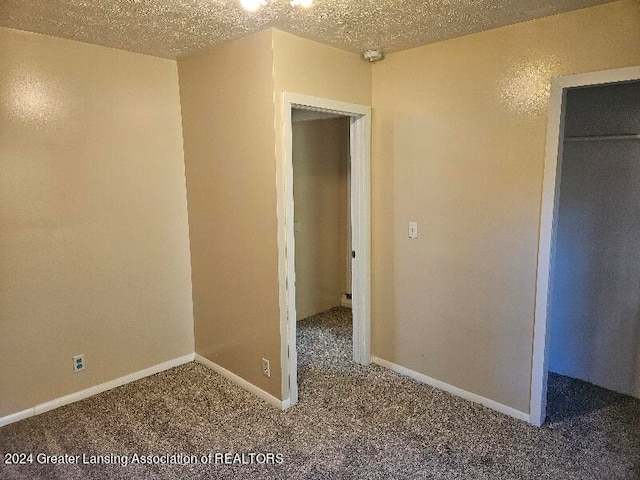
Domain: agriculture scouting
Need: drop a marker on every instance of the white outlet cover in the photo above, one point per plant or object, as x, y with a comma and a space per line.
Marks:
266, 368
78, 363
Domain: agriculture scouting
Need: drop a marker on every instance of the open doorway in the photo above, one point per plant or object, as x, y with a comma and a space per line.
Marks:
322, 216
322, 234
356, 121
587, 325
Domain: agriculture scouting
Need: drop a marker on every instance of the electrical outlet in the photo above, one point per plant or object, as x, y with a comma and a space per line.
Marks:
266, 369
78, 363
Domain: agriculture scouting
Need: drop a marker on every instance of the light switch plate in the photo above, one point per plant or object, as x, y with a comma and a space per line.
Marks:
413, 229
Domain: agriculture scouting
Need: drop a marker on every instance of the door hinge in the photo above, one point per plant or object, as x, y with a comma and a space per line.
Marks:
353, 254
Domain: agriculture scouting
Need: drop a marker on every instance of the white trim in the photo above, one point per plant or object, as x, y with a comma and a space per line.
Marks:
242, 383
548, 214
458, 392
16, 417
360, 140
91, 391
286, 250
361, 236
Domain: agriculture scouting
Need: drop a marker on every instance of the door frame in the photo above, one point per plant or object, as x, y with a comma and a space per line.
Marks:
548, 224
360, 150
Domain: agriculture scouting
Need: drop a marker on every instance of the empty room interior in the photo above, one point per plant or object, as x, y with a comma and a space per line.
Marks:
320, 239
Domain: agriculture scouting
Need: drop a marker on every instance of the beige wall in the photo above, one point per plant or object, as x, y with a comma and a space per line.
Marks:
320, 161
227, 108
94, 249
310, 68
458, 144
232, 126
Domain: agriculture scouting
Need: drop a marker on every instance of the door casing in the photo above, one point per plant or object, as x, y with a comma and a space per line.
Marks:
360, 154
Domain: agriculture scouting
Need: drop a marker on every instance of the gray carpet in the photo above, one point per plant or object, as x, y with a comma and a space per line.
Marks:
351, 422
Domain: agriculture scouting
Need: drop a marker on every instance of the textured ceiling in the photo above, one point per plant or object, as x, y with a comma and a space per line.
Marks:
174, 28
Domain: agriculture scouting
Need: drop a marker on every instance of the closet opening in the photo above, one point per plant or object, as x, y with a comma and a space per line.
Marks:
587, 331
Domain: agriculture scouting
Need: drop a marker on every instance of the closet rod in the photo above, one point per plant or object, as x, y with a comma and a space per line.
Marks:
591, 138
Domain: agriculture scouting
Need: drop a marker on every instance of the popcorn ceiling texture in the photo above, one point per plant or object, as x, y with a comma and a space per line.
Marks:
352, 422
175, 28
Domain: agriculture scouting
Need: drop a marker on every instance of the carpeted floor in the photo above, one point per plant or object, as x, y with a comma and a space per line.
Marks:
352, 422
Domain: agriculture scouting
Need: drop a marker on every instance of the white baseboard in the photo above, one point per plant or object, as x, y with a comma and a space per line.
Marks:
91, 391
242, 383
458, 392
16, 417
